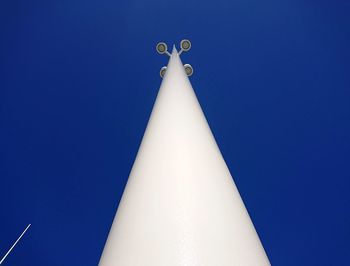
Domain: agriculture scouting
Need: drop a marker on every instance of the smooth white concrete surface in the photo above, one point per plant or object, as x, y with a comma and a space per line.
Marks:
180, 206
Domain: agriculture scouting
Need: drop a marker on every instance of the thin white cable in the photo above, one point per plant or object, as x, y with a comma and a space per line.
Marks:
18, 239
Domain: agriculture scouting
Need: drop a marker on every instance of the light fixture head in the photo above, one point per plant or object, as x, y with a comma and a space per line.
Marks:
162, 71
185, 45
162, 48
188, 69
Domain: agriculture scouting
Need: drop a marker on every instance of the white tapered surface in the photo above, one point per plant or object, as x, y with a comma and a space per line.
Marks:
180, 206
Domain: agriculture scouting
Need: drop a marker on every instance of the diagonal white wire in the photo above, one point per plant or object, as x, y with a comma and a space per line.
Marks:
18, 239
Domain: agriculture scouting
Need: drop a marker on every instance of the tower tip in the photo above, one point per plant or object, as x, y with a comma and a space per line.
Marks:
174, 50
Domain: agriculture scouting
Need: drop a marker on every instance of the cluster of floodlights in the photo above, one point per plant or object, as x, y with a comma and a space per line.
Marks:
185, 45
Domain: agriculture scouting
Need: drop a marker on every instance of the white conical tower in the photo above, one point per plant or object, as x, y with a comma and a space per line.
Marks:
180, 206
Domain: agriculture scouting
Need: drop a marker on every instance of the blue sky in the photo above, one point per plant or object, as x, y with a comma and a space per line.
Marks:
77, 83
